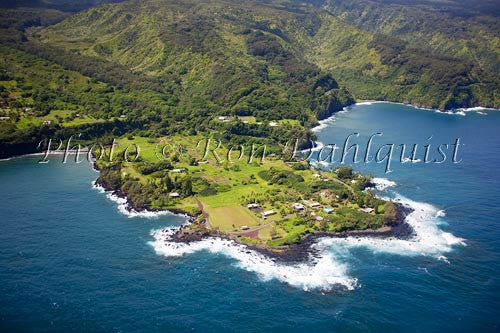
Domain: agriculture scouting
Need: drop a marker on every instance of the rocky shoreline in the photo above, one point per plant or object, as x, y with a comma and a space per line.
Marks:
131, 206
302, 250
298, 252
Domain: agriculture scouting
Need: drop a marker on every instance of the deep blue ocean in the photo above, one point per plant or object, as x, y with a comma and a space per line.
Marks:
70, 260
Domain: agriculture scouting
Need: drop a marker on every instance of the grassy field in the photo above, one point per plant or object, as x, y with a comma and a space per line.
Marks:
231, 218
272, 185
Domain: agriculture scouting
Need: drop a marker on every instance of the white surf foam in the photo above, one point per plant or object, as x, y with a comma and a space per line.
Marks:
323, 273
441, 213
125, 209
429, 239
452, 113
323, 124
328, 267
382, 183
327, 121
477, 109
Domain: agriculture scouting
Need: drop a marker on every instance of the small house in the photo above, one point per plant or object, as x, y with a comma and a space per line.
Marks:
268, 213
252, 206
312, 204
178, 170
174, 195
245, 227
223, 118
328, 210
298, 206
47, 122
4, 118
366, 210
273, 124
319, 218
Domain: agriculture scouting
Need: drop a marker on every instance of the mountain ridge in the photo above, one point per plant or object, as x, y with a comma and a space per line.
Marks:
393, 68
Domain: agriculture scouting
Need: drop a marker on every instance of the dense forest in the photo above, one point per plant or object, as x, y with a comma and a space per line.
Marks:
163, 67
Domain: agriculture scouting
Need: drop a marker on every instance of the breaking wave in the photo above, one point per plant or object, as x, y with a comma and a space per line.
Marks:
428, 238
322, 272
125, 209
477, 109
327, 121
328, 268
441, 213
382, 183
323, 124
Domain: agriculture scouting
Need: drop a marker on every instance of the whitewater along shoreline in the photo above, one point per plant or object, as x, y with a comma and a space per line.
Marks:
131, 206
195, 231
298, 252
303, 249
426, 107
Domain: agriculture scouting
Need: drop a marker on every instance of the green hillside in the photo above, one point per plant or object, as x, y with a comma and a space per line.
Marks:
167, 68
441, 53
249, 76
174, 66
378, 50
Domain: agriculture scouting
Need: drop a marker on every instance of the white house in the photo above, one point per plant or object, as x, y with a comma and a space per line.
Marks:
223, 118
328, 210
298, 206
366, 210
174, 195
268, 213
252, 206
312, 204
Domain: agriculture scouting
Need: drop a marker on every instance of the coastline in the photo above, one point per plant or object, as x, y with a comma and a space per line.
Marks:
289, 253
302, 250
429, 108
55, 152
130, 206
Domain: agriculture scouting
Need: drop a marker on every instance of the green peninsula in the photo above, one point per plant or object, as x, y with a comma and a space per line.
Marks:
243, 73
267, 201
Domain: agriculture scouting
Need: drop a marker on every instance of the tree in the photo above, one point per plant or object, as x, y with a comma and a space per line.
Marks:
187, 187
344, 172
390, 213
169, 183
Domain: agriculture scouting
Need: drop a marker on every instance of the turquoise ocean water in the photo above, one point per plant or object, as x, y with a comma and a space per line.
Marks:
71, 260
